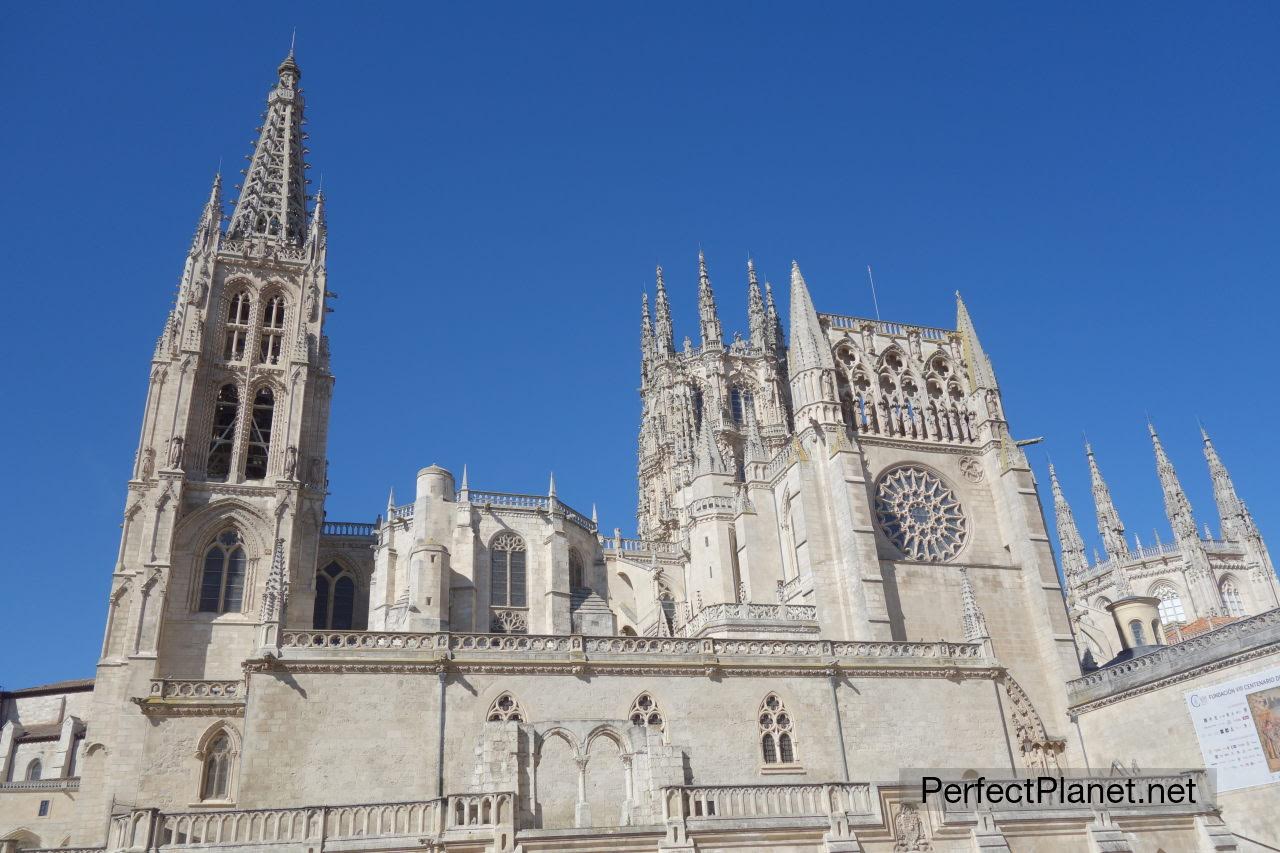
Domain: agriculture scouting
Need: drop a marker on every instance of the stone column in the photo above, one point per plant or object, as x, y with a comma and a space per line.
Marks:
582, 812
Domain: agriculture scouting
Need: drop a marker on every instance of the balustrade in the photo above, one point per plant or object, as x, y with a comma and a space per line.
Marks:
347, 528
739, 802
173, 688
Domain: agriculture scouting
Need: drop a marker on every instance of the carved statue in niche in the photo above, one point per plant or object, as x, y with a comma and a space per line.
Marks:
993, 407
313, 303
290, 462
148, 463
908, 830
175, 453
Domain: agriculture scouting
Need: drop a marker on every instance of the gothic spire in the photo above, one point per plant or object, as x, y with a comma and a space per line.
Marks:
1236, 524
318, 233
755, 450
975, 623
707, 317
1176, 506
809, 347
773, 325
273, 201
662, 322
646, 336
1110, 527
1074, 561
757, 316
209, 229
707, 458
981, 373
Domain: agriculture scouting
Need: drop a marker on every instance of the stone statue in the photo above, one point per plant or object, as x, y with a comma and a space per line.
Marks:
175, 453
290, 462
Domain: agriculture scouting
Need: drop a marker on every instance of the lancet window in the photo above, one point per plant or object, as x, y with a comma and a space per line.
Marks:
1231, 597
237, 333
226, 410
335, 605
272, 334
259, 449
215, 778
777, 732
222, 581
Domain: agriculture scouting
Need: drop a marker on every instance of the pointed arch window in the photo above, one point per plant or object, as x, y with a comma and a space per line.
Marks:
777, 732
335, 598
226, 410
507, 571
1171, 610
34, 770
272, 335
222, 584
645, 712
215, 778
505, 709
667, 604
259, 450
237, 334
741, 402
1231, 597
577, 576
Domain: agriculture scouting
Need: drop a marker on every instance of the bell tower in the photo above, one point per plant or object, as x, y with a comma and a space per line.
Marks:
226, 500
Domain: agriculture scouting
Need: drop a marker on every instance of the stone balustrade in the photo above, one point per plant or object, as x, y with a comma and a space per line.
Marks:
1237, 637
402, 513
177, 688
884, 327
68, 783
347, 528
747, 612
738, 802
647, 546
474, 817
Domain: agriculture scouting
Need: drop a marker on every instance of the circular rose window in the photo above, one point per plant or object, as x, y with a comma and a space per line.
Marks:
920, 514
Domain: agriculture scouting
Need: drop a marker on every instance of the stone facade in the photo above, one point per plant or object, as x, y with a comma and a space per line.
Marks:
842, 571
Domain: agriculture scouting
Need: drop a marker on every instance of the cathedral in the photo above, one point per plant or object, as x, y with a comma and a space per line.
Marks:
841, 578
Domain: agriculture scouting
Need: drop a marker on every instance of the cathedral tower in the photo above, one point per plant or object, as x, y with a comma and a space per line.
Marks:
226, 501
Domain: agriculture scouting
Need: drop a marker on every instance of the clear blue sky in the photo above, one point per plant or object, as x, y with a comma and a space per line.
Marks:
1101, 182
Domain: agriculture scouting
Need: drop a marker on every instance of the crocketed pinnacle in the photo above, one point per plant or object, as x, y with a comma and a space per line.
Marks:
1074, 561
318, 233
975, 623
708, 319
273, 201
1176, 506
809, 349
1236, 524
757, 316
1110, 527
981, 374
774, 322
209, 227
646, 331
662, 321
707, 458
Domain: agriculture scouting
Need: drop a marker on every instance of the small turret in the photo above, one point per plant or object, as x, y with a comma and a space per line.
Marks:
662, 323
708, 319
209, 229
1205, 595
1074, 561
757, 316
1110, 527
1235, 522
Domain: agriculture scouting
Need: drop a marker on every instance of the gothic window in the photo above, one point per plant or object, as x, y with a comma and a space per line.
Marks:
255, 465
741, 402
507, 585
1171, 609
667, 604
645, 712
222, 584
777, 734
920, 514
335, 599
272, 330
577, 577
1101, 602
237, 326
1231, 597
34, 769
697, 409
226, 409
1138, 632
505, 709
216, 777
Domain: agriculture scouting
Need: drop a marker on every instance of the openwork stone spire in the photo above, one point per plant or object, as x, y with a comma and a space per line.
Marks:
709, 320
975, 624
707, 457
981, 374
646, 336
209, 229
1204, 589
1237, 525
662, 322
273, 201
757, 316
275, 598
1074, 561
774, 322
1110, 527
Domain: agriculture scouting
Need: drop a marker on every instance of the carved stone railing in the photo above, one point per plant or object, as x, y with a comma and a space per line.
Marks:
534, 503
402, 513
347, 528
1163, 549
620, 543
69, 783
64, 850
738, 802
790, 589
747, 612
711, 505
1237, 637
780, 461
176, 688
401, 825
884, 327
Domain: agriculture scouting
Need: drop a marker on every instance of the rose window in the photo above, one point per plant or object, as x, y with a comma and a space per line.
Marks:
920, 514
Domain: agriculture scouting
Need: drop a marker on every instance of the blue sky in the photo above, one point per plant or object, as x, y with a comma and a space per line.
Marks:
1100, 181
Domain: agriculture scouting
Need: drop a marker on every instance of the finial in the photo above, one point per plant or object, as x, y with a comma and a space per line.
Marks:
293, 40
595, 519
551, 491
391, 501
464, 476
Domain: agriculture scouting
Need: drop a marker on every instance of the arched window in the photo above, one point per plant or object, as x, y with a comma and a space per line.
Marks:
507, 585
577, 577
215, 781
777, 734
696, 396
272, 330
645, 712
667, 603
1231, 597
237, 326
741, 402
226, 410
1101, 602
335, 598
1171, 609
259, 449
1139, 633
505, 708
222, 586
34, 769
